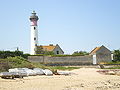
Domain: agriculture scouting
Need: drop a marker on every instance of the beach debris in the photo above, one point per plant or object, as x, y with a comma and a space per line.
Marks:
63, 73
47, 72
101, 66
117, 73
55, 71
109, 72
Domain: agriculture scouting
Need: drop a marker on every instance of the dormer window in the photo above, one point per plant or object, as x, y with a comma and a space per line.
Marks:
57, 52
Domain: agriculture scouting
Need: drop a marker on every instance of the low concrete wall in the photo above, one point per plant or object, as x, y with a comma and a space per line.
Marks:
67, 60
36, 59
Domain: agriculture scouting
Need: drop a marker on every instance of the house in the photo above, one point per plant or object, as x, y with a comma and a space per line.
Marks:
52, 48
101, 55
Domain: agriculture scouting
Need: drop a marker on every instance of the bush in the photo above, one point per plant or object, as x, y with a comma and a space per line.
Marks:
80, 53
18, 61
113, 62
116, 55
5, 54
4, 65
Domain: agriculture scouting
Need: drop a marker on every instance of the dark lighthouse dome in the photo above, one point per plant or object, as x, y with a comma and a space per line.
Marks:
34, 16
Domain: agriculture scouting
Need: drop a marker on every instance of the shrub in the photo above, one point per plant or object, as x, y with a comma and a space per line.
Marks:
19, 62
4, 65
116, 55
5, 54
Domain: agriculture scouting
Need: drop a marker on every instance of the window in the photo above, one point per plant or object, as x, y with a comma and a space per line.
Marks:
34, 38
57, 52
34, 28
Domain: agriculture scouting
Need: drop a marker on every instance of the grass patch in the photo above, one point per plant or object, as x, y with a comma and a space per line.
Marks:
113, 62
114, 67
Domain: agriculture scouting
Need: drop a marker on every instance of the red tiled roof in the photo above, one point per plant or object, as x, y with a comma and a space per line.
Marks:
48, 48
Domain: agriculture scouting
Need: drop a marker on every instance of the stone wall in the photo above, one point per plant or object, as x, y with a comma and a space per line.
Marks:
66, 60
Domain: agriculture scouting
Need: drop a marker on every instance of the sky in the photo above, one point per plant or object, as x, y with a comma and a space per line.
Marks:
76, 25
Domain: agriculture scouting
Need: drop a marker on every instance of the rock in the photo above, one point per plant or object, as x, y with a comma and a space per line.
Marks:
47, 72
63, 73
28, 72
117, 73
12, 75
5, 74
111, 73
38, 71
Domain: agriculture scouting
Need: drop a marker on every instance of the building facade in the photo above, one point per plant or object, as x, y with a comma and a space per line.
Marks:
52, 48
101, 55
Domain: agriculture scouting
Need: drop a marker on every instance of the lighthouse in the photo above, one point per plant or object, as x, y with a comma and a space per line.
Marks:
34, 33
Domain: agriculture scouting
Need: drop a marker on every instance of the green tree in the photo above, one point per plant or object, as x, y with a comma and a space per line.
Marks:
116, 55
18, 53
81, 53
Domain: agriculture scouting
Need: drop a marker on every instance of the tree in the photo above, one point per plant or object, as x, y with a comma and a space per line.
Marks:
116, 55
81, 53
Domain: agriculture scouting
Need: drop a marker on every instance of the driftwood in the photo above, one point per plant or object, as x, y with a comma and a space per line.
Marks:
63, 73
101, 66
110, 72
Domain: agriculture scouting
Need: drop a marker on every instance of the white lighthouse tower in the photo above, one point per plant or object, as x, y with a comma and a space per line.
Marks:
34, 33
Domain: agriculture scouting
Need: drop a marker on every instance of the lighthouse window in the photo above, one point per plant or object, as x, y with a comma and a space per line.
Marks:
34, 38
34, 28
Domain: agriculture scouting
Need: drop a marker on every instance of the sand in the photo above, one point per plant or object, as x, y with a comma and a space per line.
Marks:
80, 79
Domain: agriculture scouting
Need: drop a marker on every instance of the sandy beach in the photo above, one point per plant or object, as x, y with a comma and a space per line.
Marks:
80, 79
